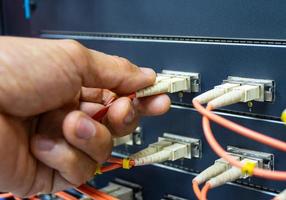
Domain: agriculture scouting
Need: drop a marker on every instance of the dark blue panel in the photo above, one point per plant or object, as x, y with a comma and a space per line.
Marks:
14, 22
214, 62
223, 18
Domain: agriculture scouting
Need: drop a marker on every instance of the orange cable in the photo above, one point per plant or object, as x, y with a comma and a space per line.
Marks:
268, 174
205, 191
65, 196
110, 167
95, 193
34, 198
246, 132
6, 195
115, 160
196, 189
119, 161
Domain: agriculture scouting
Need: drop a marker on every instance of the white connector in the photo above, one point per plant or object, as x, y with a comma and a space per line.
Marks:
281, 196
151, 149
166, 83
231, 174
217, 168
216, 92
242, 93
173, 152
128, 139
177, 151
158, 157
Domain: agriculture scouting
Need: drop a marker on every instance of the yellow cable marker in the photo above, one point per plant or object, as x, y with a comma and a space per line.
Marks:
248, 168
126, 163
98, 170
283, 116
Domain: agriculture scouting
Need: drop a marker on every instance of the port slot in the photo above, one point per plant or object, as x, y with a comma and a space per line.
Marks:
172, 197
193, 79
135, 138
123, 189
194, 146
265, 160
266, 87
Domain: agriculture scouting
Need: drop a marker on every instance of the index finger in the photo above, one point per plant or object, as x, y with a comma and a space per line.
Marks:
101, 70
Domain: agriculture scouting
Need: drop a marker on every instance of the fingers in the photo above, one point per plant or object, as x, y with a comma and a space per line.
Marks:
72, 144
59, 183
100, 70
117, 74
152, 106
96, 95
74, 166
28, 62
89, 136
123, 115
121, 118
90, 108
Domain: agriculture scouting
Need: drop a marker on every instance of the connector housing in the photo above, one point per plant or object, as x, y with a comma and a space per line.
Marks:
250, 92
194, 80
194, 147
123, 189
135, 138
266, 87
177, 150
264, 160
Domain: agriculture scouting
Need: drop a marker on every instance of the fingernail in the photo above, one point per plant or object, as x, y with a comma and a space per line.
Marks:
86, 129
45, 144
148, 71
130, 116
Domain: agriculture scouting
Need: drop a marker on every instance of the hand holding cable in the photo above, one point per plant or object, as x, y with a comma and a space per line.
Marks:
50, 127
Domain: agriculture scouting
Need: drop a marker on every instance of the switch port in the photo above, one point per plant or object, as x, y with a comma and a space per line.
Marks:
194, 146
266, 87
135, 138
265, 160
124, 190
193, 79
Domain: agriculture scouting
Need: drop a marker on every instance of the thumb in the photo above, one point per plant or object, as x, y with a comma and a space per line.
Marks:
115, 73
54, 75
110, 72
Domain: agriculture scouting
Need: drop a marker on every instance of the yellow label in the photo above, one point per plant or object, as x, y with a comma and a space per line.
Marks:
248, 168
126, 163
283, 116
98, 170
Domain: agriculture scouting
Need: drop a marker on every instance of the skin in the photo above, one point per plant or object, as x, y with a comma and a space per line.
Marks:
49, 89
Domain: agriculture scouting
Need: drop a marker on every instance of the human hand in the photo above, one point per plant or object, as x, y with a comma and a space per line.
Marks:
48, 91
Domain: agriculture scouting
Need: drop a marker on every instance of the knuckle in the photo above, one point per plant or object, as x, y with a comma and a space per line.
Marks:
76, 51
77, 178
73, 44
124, 63
104, 156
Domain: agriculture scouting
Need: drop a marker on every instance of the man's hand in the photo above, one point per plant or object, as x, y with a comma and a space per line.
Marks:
49, 89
